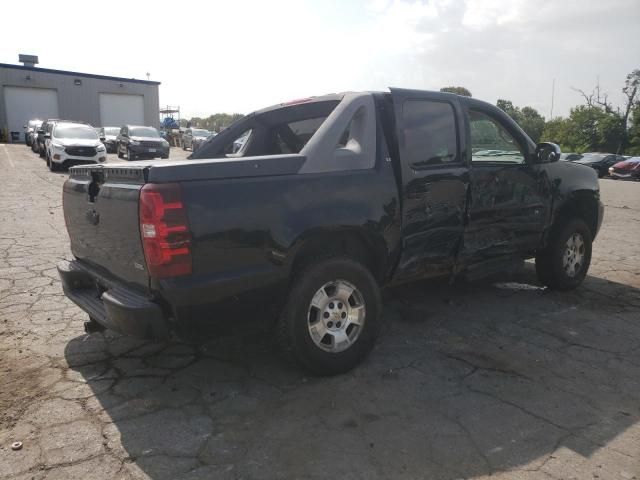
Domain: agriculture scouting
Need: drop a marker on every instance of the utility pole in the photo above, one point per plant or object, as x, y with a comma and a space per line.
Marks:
553, 92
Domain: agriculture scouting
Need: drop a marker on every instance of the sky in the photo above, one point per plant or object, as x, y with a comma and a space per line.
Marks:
242, 55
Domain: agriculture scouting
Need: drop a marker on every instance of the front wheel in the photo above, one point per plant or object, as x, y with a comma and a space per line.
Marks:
130, 156
564, 263
53, 166
332, 316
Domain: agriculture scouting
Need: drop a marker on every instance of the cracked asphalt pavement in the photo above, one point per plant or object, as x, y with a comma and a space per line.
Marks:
498, 378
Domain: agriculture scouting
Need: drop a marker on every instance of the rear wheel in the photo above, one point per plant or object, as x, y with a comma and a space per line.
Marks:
130, 156
118, 151
564, 263
332, 316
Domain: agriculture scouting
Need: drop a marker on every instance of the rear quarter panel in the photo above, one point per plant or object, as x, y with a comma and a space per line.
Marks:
248, 229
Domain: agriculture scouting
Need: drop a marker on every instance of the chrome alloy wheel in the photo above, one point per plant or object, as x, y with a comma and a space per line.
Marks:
336, 316
573, 258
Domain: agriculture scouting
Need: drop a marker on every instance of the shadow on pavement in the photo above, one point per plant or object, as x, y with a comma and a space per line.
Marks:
468, 380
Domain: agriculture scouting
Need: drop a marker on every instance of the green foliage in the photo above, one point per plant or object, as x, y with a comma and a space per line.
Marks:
528, 118
457, 90
634, 132
215, 122
588, 129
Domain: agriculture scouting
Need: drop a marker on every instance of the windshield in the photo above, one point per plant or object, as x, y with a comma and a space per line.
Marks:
200, 132
590, 157
75, 131
111, 130
143, 132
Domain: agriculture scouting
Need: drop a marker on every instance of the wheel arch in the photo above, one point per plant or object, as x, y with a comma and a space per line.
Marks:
357, 243
582, 204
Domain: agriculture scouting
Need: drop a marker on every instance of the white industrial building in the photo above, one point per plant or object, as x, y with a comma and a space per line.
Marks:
29, 92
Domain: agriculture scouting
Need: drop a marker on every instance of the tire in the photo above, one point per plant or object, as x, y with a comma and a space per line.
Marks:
130, 156
53, 166
564, 263
325, 355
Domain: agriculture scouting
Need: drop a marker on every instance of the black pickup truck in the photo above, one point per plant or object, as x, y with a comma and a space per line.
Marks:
310, 207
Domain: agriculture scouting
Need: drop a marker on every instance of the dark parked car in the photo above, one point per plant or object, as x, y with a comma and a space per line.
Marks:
328, 200
600, 162
628, 169
141, 142
45, 129
199, 142
108, 135
31, 131
192, 136
570, 157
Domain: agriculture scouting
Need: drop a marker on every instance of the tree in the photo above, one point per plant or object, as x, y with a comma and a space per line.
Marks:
558, 130
457, 90
215, 122
528, 118
588, 129
614, 126
634, 132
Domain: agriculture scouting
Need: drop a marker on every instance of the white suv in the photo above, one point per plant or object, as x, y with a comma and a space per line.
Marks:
73, 144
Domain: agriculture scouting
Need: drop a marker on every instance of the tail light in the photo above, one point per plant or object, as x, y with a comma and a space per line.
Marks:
164, 229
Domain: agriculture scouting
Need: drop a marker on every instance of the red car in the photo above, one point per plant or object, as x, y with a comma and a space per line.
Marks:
629, 168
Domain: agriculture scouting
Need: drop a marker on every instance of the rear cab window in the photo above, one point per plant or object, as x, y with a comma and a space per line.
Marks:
277, 131
430, 133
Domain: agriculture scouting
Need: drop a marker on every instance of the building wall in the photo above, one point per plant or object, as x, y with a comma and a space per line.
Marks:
79, 102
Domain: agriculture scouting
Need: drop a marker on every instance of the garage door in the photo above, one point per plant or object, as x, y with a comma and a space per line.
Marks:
117, 109
24, 104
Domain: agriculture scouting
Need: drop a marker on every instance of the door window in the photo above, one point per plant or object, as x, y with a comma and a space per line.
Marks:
491, 142
430, 133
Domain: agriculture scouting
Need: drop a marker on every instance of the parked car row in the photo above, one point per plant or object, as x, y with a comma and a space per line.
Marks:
603, 163
64, 143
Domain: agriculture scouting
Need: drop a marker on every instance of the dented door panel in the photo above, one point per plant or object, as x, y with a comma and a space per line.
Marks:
508, 210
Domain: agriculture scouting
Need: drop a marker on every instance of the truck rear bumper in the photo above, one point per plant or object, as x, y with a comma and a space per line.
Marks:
115, 307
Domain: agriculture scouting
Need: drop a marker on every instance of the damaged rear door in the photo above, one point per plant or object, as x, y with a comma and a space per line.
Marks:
435, 179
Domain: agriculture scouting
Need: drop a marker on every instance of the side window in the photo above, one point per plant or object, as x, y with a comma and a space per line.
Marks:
430, 134
237, 146
491, 142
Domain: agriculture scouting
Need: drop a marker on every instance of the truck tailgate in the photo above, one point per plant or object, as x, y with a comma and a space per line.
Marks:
101, 214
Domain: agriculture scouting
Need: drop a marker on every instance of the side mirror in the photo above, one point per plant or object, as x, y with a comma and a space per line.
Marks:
547, 152
47, 135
